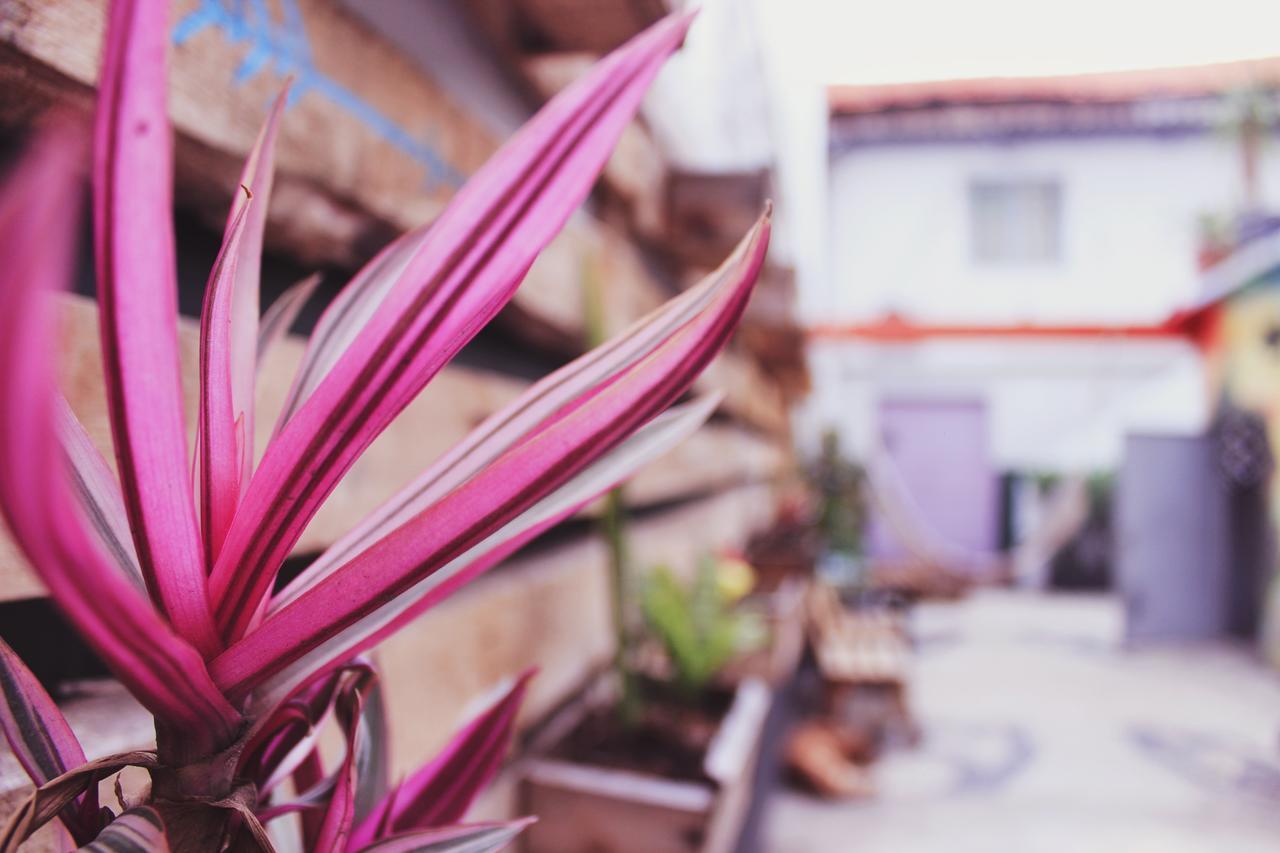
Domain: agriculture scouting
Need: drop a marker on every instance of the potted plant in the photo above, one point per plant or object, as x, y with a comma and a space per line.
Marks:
838, 485
784, 557
702, 626
174, 583
668, 767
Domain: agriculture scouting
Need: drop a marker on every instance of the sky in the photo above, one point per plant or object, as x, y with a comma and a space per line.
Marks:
883, 41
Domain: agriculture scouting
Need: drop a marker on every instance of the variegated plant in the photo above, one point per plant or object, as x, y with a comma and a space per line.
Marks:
171, 576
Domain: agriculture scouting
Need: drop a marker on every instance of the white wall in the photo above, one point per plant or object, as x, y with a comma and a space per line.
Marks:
900, 233
742, 95
900, 242
798, 118
708, 107
1053, 405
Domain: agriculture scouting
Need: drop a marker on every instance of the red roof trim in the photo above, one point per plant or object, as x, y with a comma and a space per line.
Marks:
1105, 87
1190, 325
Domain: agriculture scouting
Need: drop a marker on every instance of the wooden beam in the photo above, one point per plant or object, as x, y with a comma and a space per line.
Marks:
366, 128
718, 456
780, 351
369, 147
749, 395
538, 26
349, 176
457, 400
637, 172
772, 334
707, 213
586, 253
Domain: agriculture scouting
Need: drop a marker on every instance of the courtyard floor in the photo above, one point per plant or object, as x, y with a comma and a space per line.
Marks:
1043, 733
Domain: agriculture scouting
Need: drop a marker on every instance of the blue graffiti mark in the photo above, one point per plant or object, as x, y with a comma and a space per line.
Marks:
285, 45
1215, 760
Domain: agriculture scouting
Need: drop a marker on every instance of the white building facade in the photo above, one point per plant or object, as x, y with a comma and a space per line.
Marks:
1024, 245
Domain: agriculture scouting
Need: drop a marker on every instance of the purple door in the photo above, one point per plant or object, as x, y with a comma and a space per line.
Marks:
940, 455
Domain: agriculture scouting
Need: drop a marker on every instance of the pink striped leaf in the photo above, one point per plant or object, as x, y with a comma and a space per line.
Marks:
42, 741
257, 178
297, 729
403, 612
369, 592
467, 838
97, 491
465, 269
137, 293
38, 217
37, 732
340, 810
552, 397
549, 398
275, 692
281, 741
262, 657
369, 767
311, 802
279, 318
287, 745
373, 752
220, 447
441, 791
291, 736
229, 343
645, 445
277, 742
306, 777
347, 314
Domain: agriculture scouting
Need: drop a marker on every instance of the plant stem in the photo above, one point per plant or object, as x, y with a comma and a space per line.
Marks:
614, 527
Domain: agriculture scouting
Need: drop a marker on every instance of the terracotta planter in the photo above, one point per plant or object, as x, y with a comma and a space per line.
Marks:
583, 808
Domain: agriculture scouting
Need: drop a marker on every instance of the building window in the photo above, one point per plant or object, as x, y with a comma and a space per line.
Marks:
1015, 222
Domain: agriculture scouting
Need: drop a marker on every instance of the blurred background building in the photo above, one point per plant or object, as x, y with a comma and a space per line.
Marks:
1028, 278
